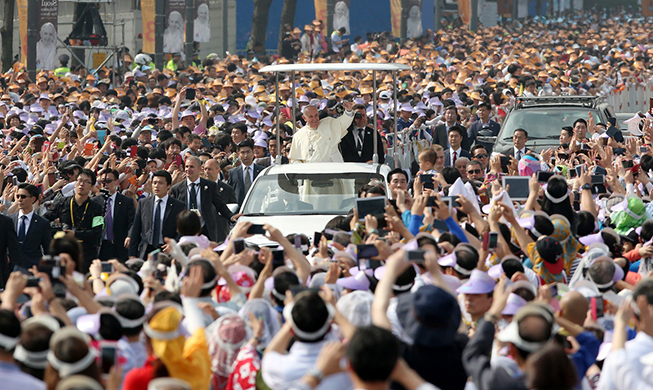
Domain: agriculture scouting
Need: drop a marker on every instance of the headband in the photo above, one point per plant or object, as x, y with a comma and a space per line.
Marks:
158, 335
633, 215
402, 288
310, 336
68, 369
556, 200
210, 283
129, 323
8, 343
535, 232
461, 269
31, 359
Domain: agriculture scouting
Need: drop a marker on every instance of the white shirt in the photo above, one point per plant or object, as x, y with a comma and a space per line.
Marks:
522, 150
197, 191
457, 151
280, 369
110, 209
641, 345
27, 221
164, 201
248, 170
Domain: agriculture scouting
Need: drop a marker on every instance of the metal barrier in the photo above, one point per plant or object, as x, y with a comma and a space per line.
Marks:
633, 97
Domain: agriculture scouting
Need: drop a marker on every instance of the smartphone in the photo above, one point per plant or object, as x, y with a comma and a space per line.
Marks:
430, 202
518, 189
154, 255
366, 251
32, 282
572, 174
598, 179
45, 146
596, 307
370, 206
153, 121
101, 134
493, 240
543, 176
14, 181
440, 225
298, 242
416, 256
427, 181
486, 239
627, 163
107, 267
133, 150
317, 237
598, 170
190, 93
579, 169
239, 245
206, 143
177, 160
554, 290
108, 354
256, 229
643, 149
604, 141
278, 258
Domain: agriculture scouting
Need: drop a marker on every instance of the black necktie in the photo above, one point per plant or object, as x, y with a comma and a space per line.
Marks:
359, 143
21, 228
193, 197
157, 224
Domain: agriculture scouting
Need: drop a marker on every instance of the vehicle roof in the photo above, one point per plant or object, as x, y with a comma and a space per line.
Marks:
333, 67
328, 167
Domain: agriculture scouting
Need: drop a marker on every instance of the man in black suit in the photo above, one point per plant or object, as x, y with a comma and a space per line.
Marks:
358, 144
8, 245
156, 218
519, 150
455, 151
34, 234
441, 131
484, 123
201, 194
211, 172
242, 177
118, 218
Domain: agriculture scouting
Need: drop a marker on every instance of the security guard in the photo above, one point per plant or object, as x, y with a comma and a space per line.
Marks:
63, 69
174, 62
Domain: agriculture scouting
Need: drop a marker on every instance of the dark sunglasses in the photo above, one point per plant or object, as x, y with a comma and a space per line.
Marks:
106, 181
474, 171
481, 156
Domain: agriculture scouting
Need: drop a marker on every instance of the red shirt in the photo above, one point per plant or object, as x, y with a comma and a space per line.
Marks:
139, 378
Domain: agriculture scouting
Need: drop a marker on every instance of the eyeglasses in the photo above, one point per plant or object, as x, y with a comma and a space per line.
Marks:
474, 171
481, 156
83, 181
21, 196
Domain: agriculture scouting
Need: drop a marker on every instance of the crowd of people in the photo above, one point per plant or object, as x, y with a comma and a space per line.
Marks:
124, 265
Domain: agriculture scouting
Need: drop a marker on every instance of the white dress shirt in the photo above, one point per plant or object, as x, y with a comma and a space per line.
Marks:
27, 221
522, 150
250, 172
621, 363
197, 190
279, 369
111, 208
457, 151
163, 213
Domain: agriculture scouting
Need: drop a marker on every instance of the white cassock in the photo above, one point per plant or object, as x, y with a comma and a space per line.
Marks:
321, 144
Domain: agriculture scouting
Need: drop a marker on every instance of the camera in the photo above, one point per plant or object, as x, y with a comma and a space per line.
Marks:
358, 115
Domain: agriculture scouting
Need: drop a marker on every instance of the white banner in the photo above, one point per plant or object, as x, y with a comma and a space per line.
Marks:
488, 13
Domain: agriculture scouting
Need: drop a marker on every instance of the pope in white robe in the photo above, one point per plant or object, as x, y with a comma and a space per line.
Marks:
318, 140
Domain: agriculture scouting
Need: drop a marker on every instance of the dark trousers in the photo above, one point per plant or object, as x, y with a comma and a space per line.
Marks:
109, 250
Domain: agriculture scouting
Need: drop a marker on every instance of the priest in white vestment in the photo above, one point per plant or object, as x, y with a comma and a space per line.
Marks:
318, 140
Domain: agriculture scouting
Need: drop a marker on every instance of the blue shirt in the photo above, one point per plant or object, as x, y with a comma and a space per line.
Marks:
14, 378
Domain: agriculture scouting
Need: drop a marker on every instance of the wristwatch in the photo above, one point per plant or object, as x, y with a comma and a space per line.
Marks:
586, 186
316, 373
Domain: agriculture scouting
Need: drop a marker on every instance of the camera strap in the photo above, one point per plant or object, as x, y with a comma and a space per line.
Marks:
72, 215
